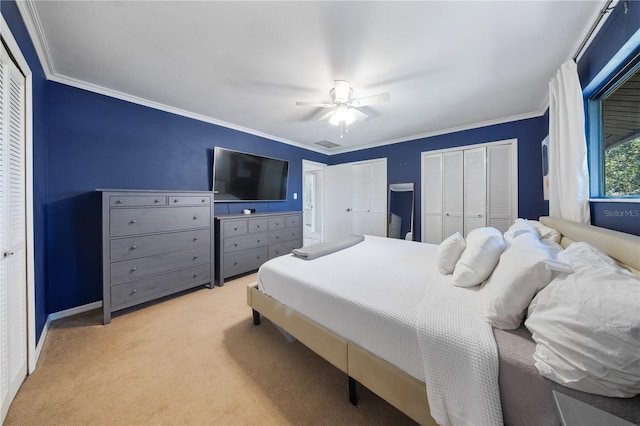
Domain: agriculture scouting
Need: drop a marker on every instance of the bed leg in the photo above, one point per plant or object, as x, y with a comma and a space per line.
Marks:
256, 317
353, 396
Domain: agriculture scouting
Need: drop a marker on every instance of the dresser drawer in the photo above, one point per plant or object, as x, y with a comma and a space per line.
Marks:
134, 292
138, 221
137, 200
283, 235
133, 269
283, 248
190, 200
292, 221
245, 242
129, 248
276, 223
234, 228
240, 262
257, 226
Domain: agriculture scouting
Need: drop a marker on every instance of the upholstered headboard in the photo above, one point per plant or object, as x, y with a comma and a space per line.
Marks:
625, 248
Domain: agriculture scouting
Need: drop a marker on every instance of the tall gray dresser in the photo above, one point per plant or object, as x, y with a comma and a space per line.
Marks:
154, 243
244, 242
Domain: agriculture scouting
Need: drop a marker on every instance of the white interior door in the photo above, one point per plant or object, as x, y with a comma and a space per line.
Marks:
453, 190
338, 202
432, 198
313, 202
500, 181
375, 200
13, 277
475, 189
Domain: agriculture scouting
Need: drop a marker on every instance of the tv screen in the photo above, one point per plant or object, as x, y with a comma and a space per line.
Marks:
238, 176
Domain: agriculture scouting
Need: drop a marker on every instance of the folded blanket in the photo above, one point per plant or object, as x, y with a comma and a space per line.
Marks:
321, 249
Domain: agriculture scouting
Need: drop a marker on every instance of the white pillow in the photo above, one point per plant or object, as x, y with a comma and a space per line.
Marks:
518, 227
545, 232
484, 246
586, 325
521, 272
449, 252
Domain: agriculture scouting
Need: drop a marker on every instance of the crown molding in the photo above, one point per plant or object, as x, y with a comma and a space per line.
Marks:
31, 20
471, 126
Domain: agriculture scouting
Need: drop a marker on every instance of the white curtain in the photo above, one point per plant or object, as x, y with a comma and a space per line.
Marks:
568, 171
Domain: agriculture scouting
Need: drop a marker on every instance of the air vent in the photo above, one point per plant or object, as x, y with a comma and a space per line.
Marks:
327, 144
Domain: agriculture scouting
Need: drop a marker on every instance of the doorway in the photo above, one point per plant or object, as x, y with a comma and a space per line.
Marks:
313, 202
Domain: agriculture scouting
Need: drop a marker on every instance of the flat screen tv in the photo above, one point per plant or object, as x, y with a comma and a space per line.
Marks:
239, 176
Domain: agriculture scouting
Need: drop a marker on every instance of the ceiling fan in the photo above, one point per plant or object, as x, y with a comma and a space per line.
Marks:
344, 107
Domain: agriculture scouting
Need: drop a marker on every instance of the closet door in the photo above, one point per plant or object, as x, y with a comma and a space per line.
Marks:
432, 195
500, 187
13, 280
453, 190
375, 198
475, 189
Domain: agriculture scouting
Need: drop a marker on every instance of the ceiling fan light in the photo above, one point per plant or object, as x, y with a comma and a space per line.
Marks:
342, 114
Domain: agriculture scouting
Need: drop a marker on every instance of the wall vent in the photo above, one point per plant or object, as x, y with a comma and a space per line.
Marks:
327, 144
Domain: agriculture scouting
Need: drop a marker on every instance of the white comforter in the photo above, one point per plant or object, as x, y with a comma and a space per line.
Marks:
387, 296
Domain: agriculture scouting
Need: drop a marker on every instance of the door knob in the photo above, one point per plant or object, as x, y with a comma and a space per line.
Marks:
348, 210
8, 253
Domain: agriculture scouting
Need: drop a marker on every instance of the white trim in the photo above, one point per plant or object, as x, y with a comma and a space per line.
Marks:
12, 45
74, 311
34, 28
614, 200
473, 126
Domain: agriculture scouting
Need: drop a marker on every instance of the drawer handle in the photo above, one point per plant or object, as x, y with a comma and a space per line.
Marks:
258, 257
175, 200
195, 218
195, 275
133, 247
133, 221
277, 237
235, 229
134, 269
204, 201
235, 263
134, 291
258, 240
119, 201
257, 226
277, 252
235, 245
156, 201
195, 238
195, 257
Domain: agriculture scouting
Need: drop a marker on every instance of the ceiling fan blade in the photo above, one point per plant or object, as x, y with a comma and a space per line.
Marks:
370, 100
359, 115
315, 104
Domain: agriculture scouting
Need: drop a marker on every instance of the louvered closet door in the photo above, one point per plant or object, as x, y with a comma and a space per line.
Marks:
475, 189
432, 190
13, 286
500, 181
452, 196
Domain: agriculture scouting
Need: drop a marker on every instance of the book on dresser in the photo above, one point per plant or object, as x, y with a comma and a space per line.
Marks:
244, 242
154, 243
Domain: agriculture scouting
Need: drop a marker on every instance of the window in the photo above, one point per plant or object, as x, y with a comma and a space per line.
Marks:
614, 115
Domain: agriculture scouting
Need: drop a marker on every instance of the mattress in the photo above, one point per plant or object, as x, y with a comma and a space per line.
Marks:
371, 306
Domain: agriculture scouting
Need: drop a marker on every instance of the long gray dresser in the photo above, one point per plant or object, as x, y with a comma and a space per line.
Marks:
244, 242
154, 243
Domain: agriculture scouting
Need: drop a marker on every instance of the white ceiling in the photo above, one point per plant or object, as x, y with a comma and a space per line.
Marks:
448, 65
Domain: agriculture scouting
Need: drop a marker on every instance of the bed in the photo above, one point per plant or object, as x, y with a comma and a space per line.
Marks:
393, 367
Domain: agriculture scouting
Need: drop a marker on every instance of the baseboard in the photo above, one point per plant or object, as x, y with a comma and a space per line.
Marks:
74, 311
55, 316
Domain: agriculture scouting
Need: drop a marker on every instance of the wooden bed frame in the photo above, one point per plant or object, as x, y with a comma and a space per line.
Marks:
398, 388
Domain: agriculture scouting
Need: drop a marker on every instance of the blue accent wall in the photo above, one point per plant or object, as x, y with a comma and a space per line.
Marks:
616, 43
83, 141
403, 160
18, 30
96, 141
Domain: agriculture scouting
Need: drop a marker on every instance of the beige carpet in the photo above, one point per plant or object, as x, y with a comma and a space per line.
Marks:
190, 360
